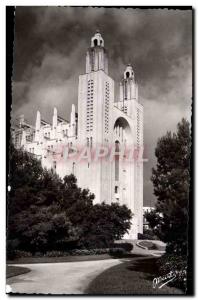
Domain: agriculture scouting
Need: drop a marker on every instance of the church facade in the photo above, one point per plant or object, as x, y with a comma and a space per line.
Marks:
102, 144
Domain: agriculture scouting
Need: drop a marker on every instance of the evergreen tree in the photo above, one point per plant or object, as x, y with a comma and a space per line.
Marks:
171, 181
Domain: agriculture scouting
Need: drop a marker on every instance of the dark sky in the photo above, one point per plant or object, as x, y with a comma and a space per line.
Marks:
49, 54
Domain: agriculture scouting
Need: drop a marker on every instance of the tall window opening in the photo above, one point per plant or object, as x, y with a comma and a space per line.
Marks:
125, 90
117, 158
127, 74
92, 60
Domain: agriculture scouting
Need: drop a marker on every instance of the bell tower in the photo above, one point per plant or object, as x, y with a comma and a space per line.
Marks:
128, 86
95, 105
96, 58
128, 92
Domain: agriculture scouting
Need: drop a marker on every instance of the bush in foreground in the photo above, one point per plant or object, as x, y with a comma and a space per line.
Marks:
115, 251
128, 247
147, 234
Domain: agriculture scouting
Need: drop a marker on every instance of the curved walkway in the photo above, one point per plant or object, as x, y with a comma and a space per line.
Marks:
65, 277
58, 278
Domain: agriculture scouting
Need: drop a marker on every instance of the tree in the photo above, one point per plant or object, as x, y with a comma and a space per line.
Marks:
171, 181
104, 224
47, 213
76, 201
45, 229
99, 224
36, 221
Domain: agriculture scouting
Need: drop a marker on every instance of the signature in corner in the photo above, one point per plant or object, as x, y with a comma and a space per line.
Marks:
165, 279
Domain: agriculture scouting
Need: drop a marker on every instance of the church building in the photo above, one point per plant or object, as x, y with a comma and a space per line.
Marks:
102, 144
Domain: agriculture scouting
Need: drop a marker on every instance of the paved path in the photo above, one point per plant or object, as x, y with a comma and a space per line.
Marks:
59, 278
64, 278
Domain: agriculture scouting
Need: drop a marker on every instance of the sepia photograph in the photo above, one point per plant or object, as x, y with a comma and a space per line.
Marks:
99, 177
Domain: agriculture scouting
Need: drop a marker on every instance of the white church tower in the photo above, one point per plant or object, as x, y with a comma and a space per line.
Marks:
95, 105
128, 131
104, 122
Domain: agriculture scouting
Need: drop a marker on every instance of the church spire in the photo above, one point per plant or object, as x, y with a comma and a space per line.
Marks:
128, 86
97, 40
96, 58
129, 73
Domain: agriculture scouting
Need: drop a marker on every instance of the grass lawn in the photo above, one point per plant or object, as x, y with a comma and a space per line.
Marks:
133, 276
149, 245
14, 271
45, 259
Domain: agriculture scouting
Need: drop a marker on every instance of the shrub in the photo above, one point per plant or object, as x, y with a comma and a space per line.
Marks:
128, 247
101, 251
38, 254
147, 235
118, 252
77, 252
14, 254
57, 253
90, 251
114, 251
82, 252
150, 233
10, 254
21, 253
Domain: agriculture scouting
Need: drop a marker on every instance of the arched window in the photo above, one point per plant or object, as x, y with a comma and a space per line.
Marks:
127, 74
95, 42
117, 157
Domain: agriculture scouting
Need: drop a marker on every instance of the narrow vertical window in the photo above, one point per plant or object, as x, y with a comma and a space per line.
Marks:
117, 157
92, 60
